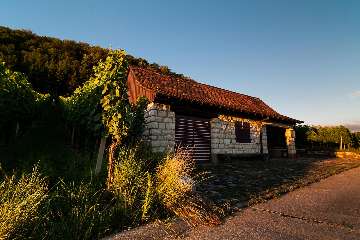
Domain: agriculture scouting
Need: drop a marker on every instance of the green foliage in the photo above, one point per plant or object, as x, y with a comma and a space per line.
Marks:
137, 123
55, 66
20, 201
120, 118
324, 135
45, 143
82, 109
19, 103
16, 96
355, 140
115, 100
330, 134
101, 106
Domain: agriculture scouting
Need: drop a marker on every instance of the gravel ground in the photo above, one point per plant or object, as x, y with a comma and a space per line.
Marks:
329, 209
244, 183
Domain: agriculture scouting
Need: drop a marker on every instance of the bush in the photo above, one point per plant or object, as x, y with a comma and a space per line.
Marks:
20, 201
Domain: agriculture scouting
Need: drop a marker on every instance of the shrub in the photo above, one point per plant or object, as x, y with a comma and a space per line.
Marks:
20, 201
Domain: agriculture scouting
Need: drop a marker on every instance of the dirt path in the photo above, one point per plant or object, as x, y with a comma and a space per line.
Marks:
329, 209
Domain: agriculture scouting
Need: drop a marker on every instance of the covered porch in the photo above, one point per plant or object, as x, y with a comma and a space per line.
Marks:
280, 141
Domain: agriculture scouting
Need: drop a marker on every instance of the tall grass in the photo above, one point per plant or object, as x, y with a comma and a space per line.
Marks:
20, 202
132, 184
77, 211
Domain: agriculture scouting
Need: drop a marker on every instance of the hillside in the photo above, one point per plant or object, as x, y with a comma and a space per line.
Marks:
52, 65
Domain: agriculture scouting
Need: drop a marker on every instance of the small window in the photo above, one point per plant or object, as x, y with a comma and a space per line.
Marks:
242, 132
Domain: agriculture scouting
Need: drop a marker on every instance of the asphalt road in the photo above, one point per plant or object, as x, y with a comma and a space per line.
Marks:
329, 209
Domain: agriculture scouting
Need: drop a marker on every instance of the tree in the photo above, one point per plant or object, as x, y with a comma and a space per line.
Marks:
323, 135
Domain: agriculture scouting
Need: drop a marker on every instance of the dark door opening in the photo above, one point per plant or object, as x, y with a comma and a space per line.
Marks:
194, 133
276, 141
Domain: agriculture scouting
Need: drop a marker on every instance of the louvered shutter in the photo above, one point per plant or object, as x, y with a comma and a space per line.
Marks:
194, 133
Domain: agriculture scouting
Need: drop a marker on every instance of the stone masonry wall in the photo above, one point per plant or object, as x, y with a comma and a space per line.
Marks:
223, 139
159, 127
160, 133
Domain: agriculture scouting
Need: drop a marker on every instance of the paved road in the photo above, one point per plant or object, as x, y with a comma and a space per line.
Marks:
329, 209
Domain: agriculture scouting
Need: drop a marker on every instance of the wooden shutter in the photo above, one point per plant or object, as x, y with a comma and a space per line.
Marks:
194, 133
242, 132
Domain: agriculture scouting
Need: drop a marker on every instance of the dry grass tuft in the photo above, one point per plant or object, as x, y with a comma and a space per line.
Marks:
176, 189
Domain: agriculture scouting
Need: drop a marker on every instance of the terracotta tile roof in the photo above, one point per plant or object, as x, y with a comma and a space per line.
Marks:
187, 89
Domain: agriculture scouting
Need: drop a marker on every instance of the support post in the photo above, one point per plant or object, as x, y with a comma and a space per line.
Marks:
100, 156
341, 143
290, 142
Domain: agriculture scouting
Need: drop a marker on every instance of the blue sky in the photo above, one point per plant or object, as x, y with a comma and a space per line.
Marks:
301, 57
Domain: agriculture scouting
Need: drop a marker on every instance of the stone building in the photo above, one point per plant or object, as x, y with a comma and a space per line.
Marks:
210, 121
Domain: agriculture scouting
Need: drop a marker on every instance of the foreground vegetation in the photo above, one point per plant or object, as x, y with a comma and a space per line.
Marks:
142, 189
48, 186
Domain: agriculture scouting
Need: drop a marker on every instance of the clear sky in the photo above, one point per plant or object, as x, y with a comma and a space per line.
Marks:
301, 57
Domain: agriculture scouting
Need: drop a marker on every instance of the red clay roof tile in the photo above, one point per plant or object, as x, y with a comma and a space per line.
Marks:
187, 89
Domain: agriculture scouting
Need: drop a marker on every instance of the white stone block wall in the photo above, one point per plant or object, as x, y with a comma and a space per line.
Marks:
223, 139
160, 127
160, 133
